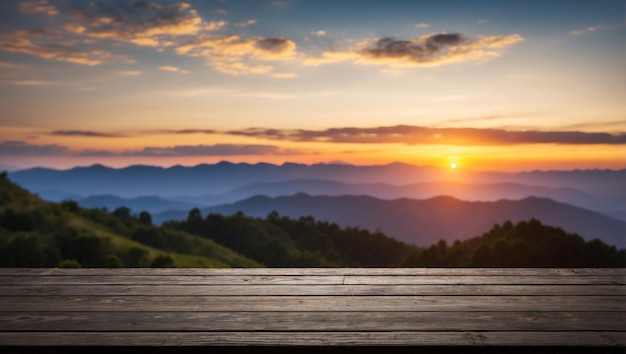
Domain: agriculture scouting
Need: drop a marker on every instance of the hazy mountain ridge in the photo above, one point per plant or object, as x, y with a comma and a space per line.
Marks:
222, 177
603, 191
424, 222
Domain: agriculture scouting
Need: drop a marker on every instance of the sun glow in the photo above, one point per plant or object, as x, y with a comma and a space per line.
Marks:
453, 165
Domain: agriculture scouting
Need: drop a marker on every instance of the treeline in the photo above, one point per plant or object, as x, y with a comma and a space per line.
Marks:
281, 241
34, 233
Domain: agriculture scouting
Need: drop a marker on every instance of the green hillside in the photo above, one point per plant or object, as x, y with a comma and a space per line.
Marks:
36, 233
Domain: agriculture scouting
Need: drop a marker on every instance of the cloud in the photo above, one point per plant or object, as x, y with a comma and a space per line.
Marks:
87, 133
245, 24
31, 83
22, 148
319, 33
284, 75
422, 25
232, 54
191, 131
96, 153
221, 12
427, 50
414, 135
41, 6
173, 69
77, 37
584, 30
80, 36
129, 73
209, 150
97, 134
48, 44
142, 23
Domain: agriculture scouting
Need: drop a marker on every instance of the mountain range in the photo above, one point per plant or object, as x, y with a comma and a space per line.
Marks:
405, 201
424, 222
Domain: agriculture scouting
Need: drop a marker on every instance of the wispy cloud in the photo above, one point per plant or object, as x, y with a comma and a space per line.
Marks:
245, 24
585, 30
414, 135
31, 83
210, 150
133, 133
319, 33
422, 25
22, 148
41, 6
427, 50
231, 54
284, 75
46, 44
87, 133
96, 153
173, 69
129, 73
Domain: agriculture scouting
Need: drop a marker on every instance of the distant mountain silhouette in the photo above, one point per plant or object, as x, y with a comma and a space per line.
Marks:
224, 177
138, 204
424, 222
218, 178
603, 191
614, 207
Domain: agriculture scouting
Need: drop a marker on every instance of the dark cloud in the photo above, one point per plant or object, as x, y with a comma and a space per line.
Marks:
140, 19
210, 150
428, 50
97, 134
274, 45
418, 51
191, 131
413, 135
86, 133
96, 153
22, 148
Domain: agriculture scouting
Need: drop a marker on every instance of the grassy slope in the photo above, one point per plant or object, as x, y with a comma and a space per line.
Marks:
205, 252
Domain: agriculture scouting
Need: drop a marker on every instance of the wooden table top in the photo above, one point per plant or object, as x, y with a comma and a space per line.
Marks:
313, 307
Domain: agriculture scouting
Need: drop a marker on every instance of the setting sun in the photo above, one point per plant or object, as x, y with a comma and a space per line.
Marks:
453, 165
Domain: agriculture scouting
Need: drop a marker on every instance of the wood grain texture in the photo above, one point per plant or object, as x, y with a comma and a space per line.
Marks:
113, 303
306, 290
321, 306
182, 339
311, 321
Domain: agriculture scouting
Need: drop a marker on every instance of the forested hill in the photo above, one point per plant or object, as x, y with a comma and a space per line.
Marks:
35, 233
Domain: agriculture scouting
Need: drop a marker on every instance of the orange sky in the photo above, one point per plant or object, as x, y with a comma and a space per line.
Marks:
489, 85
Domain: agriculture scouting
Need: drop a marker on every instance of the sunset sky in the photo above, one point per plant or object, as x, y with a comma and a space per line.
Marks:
488, 85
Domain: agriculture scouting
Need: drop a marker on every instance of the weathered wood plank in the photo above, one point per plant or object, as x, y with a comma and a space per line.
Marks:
314, 271
313, 338
311, 321
311, 280
313, 303
546, 280
327, 290
176, 279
